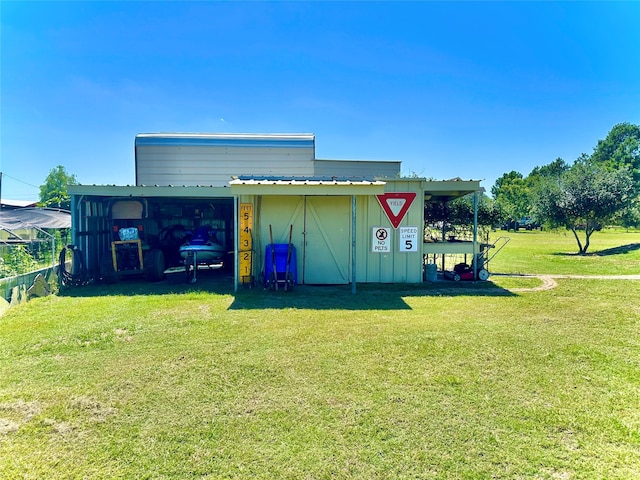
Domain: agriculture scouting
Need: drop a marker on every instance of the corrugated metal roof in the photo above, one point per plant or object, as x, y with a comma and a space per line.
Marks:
303, 181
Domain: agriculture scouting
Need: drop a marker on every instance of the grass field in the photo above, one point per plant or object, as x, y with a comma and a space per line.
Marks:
430, 381
612, 252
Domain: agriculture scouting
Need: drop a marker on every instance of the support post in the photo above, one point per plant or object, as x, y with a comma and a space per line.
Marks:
475, 235
353, 244
75, 219
236, 243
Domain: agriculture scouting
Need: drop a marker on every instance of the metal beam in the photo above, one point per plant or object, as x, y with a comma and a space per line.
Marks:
353, 244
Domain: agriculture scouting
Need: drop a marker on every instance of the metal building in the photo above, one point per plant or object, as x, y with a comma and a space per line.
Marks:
350, 221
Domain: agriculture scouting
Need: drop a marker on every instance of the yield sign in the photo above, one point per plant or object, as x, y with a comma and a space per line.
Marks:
396, 205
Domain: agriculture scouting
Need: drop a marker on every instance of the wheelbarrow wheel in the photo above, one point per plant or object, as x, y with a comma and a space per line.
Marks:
456, 277
483, 274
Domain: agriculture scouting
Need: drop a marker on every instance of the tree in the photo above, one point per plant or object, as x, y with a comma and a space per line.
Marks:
512, 196
583, 198
541, 175
620, 148
630, 216
53, 193
554, 169
461, 210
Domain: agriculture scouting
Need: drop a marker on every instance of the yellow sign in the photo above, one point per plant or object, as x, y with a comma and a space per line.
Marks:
246, 260
245, 224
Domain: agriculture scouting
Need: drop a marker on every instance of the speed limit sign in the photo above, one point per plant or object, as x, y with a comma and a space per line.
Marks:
408, 239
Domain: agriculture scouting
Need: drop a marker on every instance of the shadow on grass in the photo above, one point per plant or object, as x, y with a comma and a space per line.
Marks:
317, 297
208, 282
367, 296
621, 250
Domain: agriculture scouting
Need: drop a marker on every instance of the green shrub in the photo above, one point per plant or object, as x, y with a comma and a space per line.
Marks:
17, 261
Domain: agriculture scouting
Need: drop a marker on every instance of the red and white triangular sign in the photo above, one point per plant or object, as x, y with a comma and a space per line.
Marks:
396, 205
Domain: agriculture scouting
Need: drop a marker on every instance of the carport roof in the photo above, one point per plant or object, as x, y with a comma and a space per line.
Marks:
445, 190
271, 185
177, 191
434, 190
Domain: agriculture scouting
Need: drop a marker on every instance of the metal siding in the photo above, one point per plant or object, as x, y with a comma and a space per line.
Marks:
356, 168
407, 267
372, 267
393, 267
90, 231
207, 165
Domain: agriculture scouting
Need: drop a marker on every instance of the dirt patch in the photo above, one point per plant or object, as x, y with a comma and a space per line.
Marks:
61, 428
95, 409
8, 426
548, 282
16, 414
122, 334
26, 410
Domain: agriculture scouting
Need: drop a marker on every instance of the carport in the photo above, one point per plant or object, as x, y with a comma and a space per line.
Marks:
350, 221
96, 211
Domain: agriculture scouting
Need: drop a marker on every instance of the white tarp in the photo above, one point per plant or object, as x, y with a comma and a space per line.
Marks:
21, 218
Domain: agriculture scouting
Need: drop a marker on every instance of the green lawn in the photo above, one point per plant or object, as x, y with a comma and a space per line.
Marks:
612, 252
435, 381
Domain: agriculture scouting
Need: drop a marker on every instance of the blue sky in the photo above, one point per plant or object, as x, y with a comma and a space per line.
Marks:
469, 89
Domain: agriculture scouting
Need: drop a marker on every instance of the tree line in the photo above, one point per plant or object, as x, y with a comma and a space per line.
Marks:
595, 190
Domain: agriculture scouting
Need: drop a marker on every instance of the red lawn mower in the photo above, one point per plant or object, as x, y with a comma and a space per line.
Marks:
463, 271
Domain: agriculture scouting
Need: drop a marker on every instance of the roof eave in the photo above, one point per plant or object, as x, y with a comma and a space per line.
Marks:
177, 191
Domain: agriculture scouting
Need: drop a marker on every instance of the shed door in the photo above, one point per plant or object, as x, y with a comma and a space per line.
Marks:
327, 240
